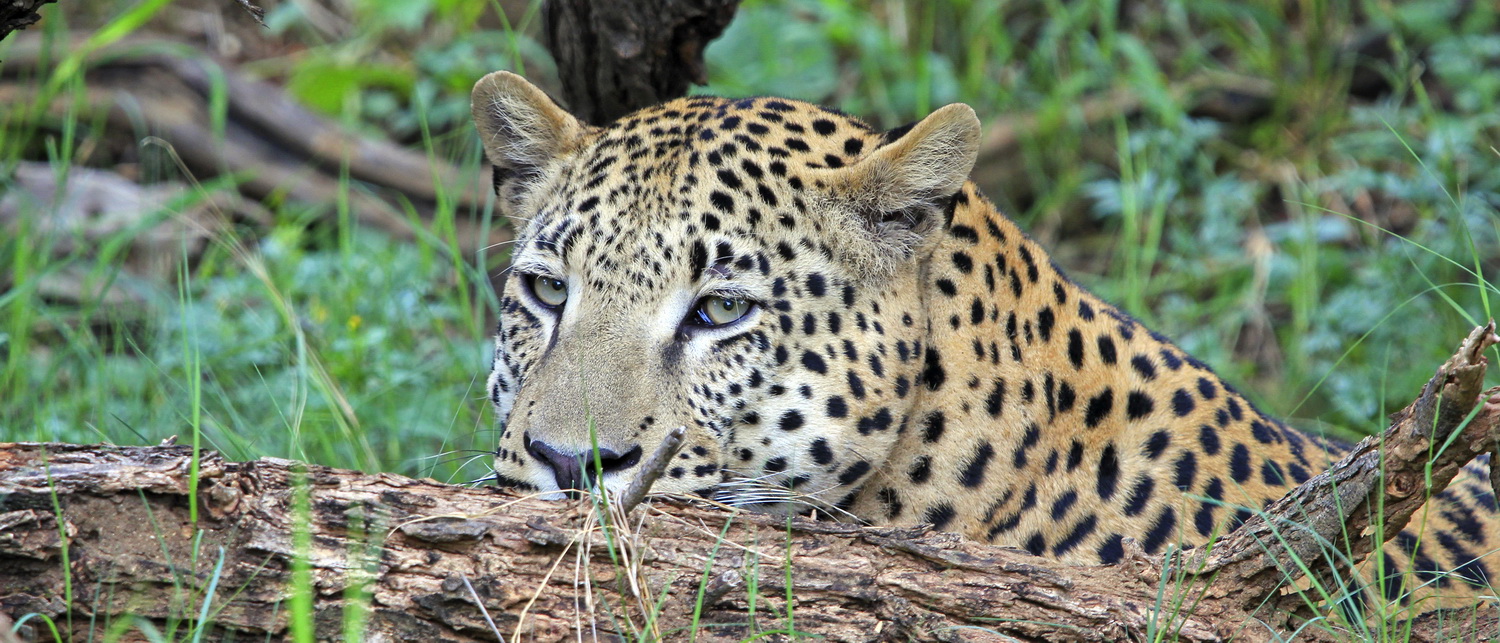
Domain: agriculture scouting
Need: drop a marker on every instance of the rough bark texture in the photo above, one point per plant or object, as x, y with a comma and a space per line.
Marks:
419, 560
19, 14
619, 56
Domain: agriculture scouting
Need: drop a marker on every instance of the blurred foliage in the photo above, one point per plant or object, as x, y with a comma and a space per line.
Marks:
1324, 254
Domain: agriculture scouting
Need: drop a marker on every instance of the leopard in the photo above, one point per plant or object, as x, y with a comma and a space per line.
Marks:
833, 319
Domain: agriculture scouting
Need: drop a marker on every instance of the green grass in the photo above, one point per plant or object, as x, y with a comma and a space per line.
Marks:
1324, 256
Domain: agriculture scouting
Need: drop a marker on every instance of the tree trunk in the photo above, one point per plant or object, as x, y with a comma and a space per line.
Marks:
91, 534
619, 56
19, 14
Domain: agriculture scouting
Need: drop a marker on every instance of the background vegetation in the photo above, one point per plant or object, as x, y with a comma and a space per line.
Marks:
1324, 250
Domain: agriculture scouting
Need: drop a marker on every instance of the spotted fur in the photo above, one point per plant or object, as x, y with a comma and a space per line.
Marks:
911, 356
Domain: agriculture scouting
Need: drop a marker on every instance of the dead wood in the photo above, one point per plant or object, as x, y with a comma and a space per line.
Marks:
428, 561
84, 209
19, 14
143, 87
617, 57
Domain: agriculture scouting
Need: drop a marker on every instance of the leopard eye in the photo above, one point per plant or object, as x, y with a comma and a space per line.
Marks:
718, 311
551, 292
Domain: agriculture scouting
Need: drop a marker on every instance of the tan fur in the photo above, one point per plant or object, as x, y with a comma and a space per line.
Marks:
912, 356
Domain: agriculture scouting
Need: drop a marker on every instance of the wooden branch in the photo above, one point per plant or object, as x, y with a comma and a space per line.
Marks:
420, 560
619, 56
143, 86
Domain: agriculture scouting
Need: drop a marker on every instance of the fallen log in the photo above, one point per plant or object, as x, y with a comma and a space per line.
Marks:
146, 87
92, 536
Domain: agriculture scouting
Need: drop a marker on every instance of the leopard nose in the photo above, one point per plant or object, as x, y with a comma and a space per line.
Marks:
574, 470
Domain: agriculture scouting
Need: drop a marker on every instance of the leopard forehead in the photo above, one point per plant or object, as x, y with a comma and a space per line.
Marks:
695, 168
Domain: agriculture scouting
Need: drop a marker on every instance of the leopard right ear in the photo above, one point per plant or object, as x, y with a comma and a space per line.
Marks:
522, 130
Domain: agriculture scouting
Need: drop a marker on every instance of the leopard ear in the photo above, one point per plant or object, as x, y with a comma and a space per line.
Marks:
900, 190
522, 130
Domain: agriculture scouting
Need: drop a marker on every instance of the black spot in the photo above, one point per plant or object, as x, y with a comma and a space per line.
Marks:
1066, 397
854, 472
1044, 323
836, 407
814, 362
1182, 403
815, 285
933, 426
939, 515
1138, 405
790, 421
932, 371
723, 202
947, 287
963, 262
853, 146
1206, 388
921, 470
1239, 463
965, 232
698, 258
1203, 521
1166, 523
1156, 444
878, 422
1139, 496
1143, 366
824, 126
820, 452
1107, 350
1075, 348
973, 474
775, 465
1173, 362
1082, 530
1112, 549
1085, 310
1262, 432
1185, 471
1061, 506
1075, 455
1272, 474
1036, 544
1235, 411
1109, 473
995, 402
1098, 408
856, 385
1208, 437
1029, 439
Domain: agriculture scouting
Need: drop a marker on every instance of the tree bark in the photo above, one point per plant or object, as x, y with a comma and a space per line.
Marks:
90, 534
619, 56
19, 14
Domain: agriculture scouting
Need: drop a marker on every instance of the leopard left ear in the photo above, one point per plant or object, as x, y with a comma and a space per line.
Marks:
906, 183
523, 131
